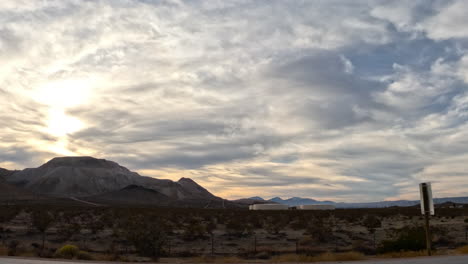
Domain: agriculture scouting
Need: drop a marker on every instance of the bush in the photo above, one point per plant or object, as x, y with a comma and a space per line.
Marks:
148, 236
13, 247
408, 239
320, 230
83, 255
67, 252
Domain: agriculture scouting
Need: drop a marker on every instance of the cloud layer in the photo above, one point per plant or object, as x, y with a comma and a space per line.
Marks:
333, 100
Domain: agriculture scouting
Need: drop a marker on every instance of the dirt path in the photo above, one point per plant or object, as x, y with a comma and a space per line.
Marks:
85, 202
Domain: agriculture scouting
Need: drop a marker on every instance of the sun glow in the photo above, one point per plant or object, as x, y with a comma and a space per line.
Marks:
60, 124
64, 93
60, 96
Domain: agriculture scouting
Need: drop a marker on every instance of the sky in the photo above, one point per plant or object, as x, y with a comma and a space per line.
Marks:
332, 100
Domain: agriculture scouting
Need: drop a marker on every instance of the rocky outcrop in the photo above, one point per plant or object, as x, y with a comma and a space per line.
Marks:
88, 176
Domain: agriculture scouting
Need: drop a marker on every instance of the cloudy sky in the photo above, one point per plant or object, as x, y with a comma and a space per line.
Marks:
342, 100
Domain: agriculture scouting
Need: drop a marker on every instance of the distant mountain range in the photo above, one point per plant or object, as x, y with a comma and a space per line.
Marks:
100, 181
305, 201
92, 181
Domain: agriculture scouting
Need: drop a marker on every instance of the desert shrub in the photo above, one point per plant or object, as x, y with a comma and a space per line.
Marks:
371, 222
83, 255
412, 238
68, 228
67, 252
363, 247
42, 221
193, 230
6, 215
263, 255
148, 236
13, 248
320, 229
234, 227
298, 223
273, 225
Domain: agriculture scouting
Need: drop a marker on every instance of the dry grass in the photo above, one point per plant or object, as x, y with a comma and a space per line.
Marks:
108, 257
404, 254
3, 251
462, 250
346, 256
216, 260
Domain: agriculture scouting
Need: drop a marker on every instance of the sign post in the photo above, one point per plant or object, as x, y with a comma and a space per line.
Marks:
427, 209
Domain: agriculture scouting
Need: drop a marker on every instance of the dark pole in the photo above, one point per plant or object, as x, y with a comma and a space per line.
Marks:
427, 212
255, 244
297, 246
212, 244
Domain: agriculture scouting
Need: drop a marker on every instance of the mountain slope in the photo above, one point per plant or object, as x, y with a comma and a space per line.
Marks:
132, 195
5, 172
9, 192
88, 176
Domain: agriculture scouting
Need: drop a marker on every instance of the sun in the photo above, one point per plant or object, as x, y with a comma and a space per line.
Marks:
62, 94
60, 124
59, 96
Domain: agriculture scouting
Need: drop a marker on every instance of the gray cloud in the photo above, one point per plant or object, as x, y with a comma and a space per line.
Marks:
327, 99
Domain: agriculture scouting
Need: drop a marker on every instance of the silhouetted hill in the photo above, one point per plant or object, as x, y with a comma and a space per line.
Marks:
81, 177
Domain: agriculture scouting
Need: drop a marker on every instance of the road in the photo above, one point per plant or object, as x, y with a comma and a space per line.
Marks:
423, 260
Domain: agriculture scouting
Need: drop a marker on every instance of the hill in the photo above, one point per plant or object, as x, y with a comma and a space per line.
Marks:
101, 179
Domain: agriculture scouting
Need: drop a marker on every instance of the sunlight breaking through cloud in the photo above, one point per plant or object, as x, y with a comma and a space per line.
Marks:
333, 99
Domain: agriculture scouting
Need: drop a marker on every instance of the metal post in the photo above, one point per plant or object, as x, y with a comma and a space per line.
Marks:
375, 244
255, 244
212, 244
427, 212
297, 246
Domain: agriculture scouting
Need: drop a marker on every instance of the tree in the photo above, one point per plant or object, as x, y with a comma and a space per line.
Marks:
320, 229
42, 221
147, 236
6, 215
371, 222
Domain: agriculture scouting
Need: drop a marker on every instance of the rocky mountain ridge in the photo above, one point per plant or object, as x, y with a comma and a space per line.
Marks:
81, 177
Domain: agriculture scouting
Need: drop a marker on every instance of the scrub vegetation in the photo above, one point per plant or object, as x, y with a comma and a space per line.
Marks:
215, 235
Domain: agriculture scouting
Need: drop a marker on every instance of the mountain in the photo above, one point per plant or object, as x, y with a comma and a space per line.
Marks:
252, 200
9, 192
5, 172
256, 198
131, 195
91, 177
295, 201
195, 190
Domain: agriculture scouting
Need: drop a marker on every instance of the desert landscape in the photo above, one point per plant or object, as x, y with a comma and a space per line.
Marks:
95, 209
144, 234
